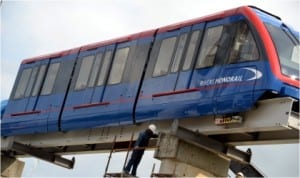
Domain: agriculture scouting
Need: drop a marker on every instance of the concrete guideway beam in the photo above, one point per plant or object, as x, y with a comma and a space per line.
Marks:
247, 169
268, 115
177, 154
180, 169
272, 122
209, 144
11, 167
198, 151
46, 156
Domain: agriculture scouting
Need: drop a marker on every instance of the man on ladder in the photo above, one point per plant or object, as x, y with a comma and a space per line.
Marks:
139, 148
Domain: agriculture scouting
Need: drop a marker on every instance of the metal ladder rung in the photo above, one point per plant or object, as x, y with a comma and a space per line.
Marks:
161, 175
117, 174
122, 174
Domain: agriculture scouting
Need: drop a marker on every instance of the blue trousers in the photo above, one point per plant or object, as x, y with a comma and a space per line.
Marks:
134, 161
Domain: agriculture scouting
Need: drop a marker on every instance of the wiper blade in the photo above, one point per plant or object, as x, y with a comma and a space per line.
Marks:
290, 33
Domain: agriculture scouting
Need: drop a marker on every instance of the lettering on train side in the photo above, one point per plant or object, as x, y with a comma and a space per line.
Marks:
256, 74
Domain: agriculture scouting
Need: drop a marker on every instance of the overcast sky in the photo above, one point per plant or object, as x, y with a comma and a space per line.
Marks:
31, 28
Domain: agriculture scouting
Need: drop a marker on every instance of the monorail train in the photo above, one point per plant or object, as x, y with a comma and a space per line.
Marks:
221, 64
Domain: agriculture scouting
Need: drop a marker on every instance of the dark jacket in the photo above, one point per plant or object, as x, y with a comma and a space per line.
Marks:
144, 137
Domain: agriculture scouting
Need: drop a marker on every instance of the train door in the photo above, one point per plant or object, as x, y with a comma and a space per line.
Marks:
162, 74
86, 71
21, 109
104, 69
39, 72
44, 83
106, 102
115, 87
206, 70
134, 72
88, 83
54, 90
26, 88
117, 94
238, 77
84, 78
185, 75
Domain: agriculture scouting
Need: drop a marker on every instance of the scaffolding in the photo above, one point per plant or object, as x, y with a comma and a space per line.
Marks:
184, 148
128, 149
118, 174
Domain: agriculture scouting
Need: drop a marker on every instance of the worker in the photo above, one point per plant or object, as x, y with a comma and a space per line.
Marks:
240, 175
139, 148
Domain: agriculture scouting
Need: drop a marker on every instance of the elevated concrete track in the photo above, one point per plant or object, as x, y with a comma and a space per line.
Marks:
270, 122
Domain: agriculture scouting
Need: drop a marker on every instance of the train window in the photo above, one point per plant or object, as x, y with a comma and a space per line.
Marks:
287, 47
95, 70
21, 87
50, 78
179, 52
136, 61
63, 76
104, 68
191, 50
118, 66
209, 46
244, 47
164, 57
39, 80
31, 81
84, 72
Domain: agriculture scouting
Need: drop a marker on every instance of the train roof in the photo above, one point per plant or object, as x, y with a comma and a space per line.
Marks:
147, 33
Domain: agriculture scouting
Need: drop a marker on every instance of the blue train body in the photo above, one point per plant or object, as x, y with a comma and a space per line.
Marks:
177, 71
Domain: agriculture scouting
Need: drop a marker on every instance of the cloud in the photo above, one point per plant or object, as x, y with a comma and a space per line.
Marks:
56, 25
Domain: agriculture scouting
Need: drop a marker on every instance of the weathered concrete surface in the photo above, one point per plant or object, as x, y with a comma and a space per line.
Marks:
11, 167
185, 159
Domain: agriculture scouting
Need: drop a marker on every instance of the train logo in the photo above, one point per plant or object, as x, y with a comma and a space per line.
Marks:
257, 74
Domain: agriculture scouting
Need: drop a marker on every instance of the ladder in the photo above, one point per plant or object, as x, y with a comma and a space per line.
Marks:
113, 149
128, 149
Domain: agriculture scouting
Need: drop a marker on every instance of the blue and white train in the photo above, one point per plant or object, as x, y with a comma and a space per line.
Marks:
221, 64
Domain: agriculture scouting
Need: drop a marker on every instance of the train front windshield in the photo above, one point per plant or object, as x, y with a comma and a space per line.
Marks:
288, 49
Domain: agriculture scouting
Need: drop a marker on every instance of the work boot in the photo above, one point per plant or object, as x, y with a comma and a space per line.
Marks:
125, 172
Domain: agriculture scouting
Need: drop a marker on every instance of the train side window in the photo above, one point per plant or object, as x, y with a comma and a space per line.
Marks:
135, 62
244, 47
164, 57
191, 50
84, 72
118, 66
104, 68
39, 80
209, 46
21, 87
31, 81
179, 52
50, 78
95, 70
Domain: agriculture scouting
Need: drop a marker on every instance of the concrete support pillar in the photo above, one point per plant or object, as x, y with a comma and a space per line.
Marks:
11, 167
185, 159
180, 169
